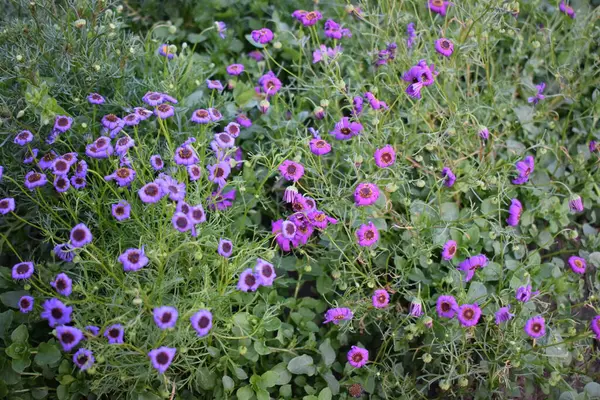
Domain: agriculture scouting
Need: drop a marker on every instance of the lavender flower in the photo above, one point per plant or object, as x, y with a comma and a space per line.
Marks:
201, 116
503, 315
165, 51
84, 359
133, 259
151, 193
484, 133
114, 334
221, 28
262, 36
171, 187
68, 336
7, 205
264, 273
416, 308
181, 222
64, 252
60, 166
449, 177
576, 204
26, 304
194, 172
345, 129
164, 111
439, 6
22, 270
235, 69
366, 194
186, 155
63, 123
123, 176
162, 357
63, 284
538, 96
446, 306
566, 9
471, 264
514, 212
535, 327
248, 281
121, 210
23, 138
524, 293
202, 322
56, 313
524, 169
326, 54
95, 98
156, 162
214, 114
225, 248
319, 146
444, 47
410, 31
35, 179
80, 236
219, 172
165, 317
334, 31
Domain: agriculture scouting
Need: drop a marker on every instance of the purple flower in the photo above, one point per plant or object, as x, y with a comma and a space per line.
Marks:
264, 272
133, 259
56, 313
95, 98
248, 281
484, 133
165, 317
164, 111
357, 104
201, 116
367, 235
503, 315
84, 359
214, 84
153, 99
262, 36
309, 18
219, 172
225, 248
386, 55
439, 6
221, 28
243, 120
194, 172
524, 293
111, 121
64, 252
181, 222
62, 123
221, 200
35, 179
444, 47
170, 186
327, 54
235, 69
449, 177
595, 326
514, 212
224, 140
471, 264
385, 156
320, 220
131, 119
375, 103
538, 96
156, 162
123, 176
26, 304
269, 83
80, 236
214, 114
165, 51
63, 284
62, 183
576, 204
319, 146
68, 336
345, 129
7, 205
196, 214
100, 148
469, 314
186, 155
524, 169
446, 306
114, 334
337, 315
357, 356
23, 138
334, 31
366, 194
410, 31
60, 166
577, 264
566, 9
47, 160
289, 229
81, 168
143, 113
29, 157
162, 357
22, 270
449, 250
380, 298
124, 144
121, 210
291, 171
202, 322
93, 330
535, 327
151, 193
416, 308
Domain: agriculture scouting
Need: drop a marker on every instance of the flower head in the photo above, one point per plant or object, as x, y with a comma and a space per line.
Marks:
23, 138
235, 69
156, 162
63, 284
385, 156
95, 98
484, 133
56, 313
114, 334
63, 123
68, 336
337, 315
225, 248
366, 194
62, 183
444, 47
469, 314
165, 51
446, 306
262, 36
410, 32
64, 252
84, 359
416, 308
162, 357
577, 264
121, 210
358, 357
439, 6
524, 169
7, 205
269, 83
291, 171
514, 212
449, 250
221, 200
535, 327
201, 116
165, 317
380, 298
566, 9
123, 176
264, 272
333, 30
539, 95
319, 146
449, 177
595, 326
186, 155
80, 236
345, 129
214, 84
221, 28
151, 192
35, 179
471, 264
219, 172
22, 270
367, 235
26, 304
503, 315
175, 190
524, 293
202, 322
133, 259
249, 281
576, 204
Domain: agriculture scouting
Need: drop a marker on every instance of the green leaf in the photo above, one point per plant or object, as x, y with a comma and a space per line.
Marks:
245, 393
228, 383
62, 392
449, 212
11, 299
39, 393
147, 396
332, 382
261, 348
20, 364
6, 319
206, 378
67, 379
270, 379
262, 394
195, 38
595, 259
592, 389
302, 365
47, 354
283, 375
325, 394
477, 292
286, 391
327, 352
272, 324
20, 335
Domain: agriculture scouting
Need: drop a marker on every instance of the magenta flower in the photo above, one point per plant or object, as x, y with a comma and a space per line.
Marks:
375, 103
367, 235
444, 47
63, 284
345, 129
536, 327
7, 205
269, 83
265, 272
326, 54
449, 177
514, 212
320, 220
386, 55
366, 194
202, 322
248, 281
503, 315
308, 18
469, 314
524, 293
595, 326
214, 84
291, 171
566, 9
380, 298
449, 250
484, 133
319, 146
56, 313
439, 6
333, 30
235, 69
114, 334
68, 336
121, 210
243, 120
524, 169
385, 156
133, 259
337, 315
26, 304
471, 264
577, 264
165, 317
23, 138
358, 357
538, 96
84, 359
262, 36
576, 204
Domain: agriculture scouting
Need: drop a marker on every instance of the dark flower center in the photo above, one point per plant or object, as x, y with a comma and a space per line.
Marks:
225, 137
291, 169
290, 229
123, 141
346, 131
357, 357
78, 180
270, 84
437, 3
195, 171
365, 192
197, 214
61, 284
381, 298
56, 313
61, 183
23, 135
96, 97
446, 307
445, 44
233, 129
369, 234
298, 207
158, 161
114, 333
164, 108
578, 263
217, 113
166, 317
82, 359
468, 314
111, 118
181, 222
185, 208
23, 268
120, 210
162, 358
311, 15
123, 173
250, 280
267, 271
219, 172
185, 153
320, 144
49, 157
154, 96
24, 303
67, 337
101, 142
130, 117
319, 217
452, 250
202, 113
173, 189
63, 121
133, 257
203, 322
226, 247
4, 204
151, 190
386, 157
78, 234
34, 177
536, 327
68, 157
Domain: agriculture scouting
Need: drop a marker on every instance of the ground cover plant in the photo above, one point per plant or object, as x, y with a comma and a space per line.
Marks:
391, 199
